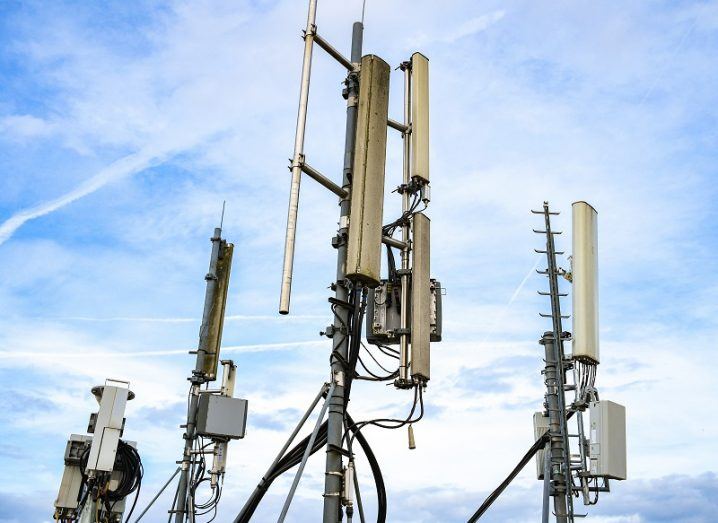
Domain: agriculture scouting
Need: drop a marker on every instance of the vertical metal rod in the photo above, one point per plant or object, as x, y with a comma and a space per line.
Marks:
546, 482
158, 495
305, 457
563, 500
340, 342
359, 504
403, 379
297, 159
197, 379
556, 451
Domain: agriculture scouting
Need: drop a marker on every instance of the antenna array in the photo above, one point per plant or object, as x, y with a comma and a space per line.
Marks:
602, 456
101, 470
404, 308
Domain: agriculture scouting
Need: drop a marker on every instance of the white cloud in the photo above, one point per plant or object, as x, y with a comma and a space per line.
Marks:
25, 126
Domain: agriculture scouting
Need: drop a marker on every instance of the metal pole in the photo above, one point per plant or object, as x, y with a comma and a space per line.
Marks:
403, 379
305, 457
158, 494
555, 413
546, 482
561, 464
297, 160
197, 379
340, 341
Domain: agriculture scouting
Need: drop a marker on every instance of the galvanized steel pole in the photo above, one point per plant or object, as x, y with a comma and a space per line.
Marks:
555, 449
197, 379
335, 418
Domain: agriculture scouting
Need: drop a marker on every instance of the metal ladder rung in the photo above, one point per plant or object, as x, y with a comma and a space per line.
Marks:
544, 232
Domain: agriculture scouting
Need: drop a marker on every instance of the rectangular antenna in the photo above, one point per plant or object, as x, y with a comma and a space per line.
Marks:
367, 194
216, 315
420, 117
421, 297
585, 282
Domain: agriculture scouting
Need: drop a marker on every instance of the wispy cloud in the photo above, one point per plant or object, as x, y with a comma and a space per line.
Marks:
228, 317
259, 347
469, 27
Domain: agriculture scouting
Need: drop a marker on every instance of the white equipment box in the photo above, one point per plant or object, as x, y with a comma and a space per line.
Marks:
608, 440
540, 427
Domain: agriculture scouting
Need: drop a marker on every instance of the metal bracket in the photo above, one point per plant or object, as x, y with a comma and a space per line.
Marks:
339, 240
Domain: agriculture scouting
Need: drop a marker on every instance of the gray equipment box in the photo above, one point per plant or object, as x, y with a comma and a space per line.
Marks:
540, 427
221, 417
383, 313
72, 475
607, 440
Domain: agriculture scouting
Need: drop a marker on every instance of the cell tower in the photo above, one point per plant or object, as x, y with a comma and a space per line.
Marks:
214, 416
403, 309
102, 470
602, 453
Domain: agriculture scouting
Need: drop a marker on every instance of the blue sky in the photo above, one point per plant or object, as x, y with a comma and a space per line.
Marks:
123, 128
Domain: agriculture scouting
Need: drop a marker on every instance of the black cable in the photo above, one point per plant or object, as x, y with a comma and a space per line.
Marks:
375, 470
359, 297
382, 367
291, 459
538, 445
384, 423
294, 456
129, 463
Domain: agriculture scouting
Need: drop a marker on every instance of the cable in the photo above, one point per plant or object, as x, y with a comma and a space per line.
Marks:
375, 469
128, 462
538, 445
389, 423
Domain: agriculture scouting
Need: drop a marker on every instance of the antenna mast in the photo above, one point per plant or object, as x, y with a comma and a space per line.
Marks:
559, 477
213, 416
602, 455
411, 318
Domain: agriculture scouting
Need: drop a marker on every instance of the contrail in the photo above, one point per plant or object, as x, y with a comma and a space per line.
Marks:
125, 166
261, 347
515, 295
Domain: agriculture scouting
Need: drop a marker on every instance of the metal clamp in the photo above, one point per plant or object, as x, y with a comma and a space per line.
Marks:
339, 378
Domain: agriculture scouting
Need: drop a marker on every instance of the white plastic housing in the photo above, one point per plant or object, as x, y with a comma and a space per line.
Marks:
608, 440
540, 427
421, 297
420, 117
107, 429
585, 282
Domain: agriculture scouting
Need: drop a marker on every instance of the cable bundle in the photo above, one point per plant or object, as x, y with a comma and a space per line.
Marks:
294, 456
129, 464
